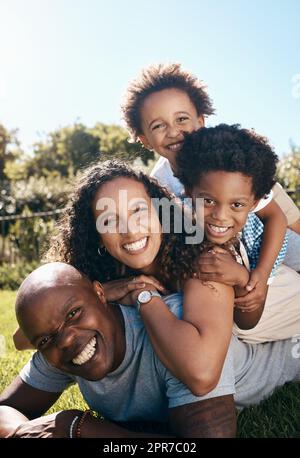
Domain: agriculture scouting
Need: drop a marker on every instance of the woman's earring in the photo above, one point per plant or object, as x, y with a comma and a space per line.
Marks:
101, 253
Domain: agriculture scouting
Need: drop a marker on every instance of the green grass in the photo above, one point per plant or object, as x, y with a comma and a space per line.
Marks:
278, 416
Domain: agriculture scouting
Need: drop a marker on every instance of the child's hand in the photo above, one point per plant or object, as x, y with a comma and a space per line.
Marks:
218, 265
258, 289
116, 290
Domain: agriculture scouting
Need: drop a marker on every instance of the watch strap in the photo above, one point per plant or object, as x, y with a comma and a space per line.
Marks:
152, 294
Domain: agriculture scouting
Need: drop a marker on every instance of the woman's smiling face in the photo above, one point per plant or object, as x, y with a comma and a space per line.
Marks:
128, 223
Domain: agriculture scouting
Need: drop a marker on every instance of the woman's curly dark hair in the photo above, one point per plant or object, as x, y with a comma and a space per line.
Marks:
76, 240
230, 149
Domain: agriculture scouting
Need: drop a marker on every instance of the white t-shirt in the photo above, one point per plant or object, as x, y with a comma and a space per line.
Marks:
162, 171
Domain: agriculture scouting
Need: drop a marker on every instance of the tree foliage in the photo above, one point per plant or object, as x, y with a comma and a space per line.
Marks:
69, 149
8, 150
289, 174
64, 152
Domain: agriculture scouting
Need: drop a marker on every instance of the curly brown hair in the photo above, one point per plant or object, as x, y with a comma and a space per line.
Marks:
155, 78
231, 149
76, 240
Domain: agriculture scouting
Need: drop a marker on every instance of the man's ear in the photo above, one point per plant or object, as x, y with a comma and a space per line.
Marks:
99, 291
144, 142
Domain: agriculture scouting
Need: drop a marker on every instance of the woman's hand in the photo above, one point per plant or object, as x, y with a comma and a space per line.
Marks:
121, 290
56, 425
218, 265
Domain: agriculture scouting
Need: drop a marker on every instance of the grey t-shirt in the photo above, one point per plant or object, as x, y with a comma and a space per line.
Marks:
141, 388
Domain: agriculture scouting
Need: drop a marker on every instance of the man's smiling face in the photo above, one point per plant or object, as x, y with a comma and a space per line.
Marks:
69, 321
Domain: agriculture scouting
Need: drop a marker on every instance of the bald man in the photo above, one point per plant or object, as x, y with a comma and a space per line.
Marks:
104, 348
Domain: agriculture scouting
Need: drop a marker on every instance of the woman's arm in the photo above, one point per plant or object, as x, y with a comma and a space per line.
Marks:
193, 349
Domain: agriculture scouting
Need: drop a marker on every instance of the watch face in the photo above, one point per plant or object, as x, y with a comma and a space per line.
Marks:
144, 297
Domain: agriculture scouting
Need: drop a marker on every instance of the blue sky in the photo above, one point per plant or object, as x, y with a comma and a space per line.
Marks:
63, 60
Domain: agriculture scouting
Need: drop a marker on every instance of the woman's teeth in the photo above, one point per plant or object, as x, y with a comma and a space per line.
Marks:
219, 229
86, 354
135, 246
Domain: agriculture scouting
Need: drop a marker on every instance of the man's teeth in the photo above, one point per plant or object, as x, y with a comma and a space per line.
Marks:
219, 228
134, 246
175, 146
87, 353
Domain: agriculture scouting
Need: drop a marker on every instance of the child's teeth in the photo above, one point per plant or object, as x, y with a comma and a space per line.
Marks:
175, 147
87, 353
136, 245
218, 228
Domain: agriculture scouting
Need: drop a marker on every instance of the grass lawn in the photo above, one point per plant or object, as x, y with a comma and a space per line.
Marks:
278, 416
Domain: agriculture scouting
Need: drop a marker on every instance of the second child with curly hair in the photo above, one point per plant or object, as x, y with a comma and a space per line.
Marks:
231, 169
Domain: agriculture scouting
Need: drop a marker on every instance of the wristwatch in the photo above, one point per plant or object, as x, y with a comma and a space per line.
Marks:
144, 297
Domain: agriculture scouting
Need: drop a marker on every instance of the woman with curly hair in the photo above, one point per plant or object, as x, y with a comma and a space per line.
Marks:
192, 348
148, 252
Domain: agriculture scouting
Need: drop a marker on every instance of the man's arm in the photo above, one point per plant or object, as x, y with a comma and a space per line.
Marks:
21, 407
215, 417
28, 400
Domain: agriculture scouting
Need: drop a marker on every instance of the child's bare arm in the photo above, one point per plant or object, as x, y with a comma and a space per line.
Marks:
218, 265
248, 307
275, 225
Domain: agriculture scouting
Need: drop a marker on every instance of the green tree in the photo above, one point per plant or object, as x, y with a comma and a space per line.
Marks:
288, 173
67, 150
8, 150
115, 144
64, 152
